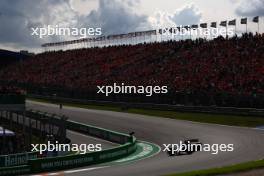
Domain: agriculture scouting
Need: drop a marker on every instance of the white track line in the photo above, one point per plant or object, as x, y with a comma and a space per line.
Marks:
83, 170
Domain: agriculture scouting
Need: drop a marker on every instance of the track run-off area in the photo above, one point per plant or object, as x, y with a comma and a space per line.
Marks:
152, 133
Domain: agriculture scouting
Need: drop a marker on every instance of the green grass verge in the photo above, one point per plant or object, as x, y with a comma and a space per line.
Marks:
225, 170
233, 120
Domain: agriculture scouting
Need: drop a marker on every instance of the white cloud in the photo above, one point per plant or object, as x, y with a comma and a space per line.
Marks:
17, 18
189, 14
186, 15
250, 8
84, 7
115, 17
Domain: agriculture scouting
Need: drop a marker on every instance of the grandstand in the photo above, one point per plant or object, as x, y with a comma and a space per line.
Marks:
223, 72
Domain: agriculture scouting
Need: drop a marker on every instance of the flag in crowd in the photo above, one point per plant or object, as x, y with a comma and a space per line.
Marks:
244, 21
179, 28
232, 22
187, 27
172, 30
256, 19
213, 24
203, 25
223, 23
194, 26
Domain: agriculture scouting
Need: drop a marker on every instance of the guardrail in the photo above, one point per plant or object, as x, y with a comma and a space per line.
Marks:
37, 165
180, 108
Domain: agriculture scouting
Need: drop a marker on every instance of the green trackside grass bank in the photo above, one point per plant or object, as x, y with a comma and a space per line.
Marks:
225, 170
246, 121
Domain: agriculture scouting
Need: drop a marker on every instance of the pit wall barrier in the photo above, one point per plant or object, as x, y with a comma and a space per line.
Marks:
128, 145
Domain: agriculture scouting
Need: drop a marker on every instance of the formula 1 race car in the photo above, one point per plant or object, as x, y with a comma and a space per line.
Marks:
186, 148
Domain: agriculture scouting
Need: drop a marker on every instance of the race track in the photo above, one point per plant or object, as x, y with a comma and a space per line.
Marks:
78, 138
248, 143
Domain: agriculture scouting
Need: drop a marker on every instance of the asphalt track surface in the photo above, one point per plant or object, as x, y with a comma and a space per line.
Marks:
77, 138
248, 143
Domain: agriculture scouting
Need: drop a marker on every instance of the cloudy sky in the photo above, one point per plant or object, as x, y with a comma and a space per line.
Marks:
17, 17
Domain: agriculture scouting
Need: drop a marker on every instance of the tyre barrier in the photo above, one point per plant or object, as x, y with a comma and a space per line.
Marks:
128, 145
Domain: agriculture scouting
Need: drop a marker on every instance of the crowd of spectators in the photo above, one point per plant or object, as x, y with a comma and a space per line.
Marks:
233, 66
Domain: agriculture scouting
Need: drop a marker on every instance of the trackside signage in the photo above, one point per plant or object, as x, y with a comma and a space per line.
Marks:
17, 159
113, 154
48, 164
16, 170
64, 163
